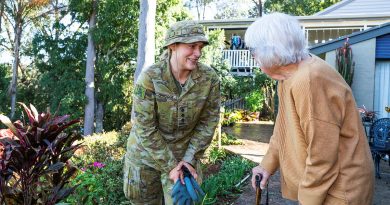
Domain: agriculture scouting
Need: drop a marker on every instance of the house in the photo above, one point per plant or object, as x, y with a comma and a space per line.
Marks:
343, 18
371, 54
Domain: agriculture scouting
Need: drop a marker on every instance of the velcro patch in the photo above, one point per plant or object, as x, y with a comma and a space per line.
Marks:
139, 91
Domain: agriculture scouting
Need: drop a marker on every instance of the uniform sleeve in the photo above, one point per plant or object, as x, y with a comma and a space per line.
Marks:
146, 125
205, 129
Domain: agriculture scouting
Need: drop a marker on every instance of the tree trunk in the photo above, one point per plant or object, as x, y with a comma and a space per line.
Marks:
197, 8
99, 116
204, 8
146, 35
90, 74
146, 48
57, 19
259, 6
18, 33
2, 5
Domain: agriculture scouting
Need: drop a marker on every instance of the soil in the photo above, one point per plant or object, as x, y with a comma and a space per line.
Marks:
262, 131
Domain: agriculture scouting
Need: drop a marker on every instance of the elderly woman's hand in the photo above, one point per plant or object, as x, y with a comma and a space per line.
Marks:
257, 171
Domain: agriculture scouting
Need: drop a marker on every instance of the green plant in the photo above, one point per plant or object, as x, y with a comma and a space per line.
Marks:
34, 162
104, 184
229, 118
254, 101
232, 171
99, 183
344, 62
227, 139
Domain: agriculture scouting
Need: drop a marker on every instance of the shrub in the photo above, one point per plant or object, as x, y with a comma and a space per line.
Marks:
229, 118
34, 163
254, 101
104, 184
99, 183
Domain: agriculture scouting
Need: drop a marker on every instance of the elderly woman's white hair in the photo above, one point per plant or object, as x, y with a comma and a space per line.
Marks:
276, 40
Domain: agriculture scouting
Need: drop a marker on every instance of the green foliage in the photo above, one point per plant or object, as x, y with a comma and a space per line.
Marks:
60, 69
232, 171
34, 159
254, 101
115, 37
99, 183
55, 79
230, 117
227, 139
212, 56
232, 9
344, 62
167, 13
214, 154
100, 178
297, 7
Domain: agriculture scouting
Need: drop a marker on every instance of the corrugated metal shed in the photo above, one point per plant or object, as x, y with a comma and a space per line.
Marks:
357, 7
383, 47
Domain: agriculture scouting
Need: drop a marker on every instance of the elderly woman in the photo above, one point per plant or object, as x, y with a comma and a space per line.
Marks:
318, 142
176, 105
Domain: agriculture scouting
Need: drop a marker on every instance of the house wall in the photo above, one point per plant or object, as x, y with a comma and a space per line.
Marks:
363, 79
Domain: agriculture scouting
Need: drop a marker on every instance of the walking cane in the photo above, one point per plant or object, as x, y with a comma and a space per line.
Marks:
258, 177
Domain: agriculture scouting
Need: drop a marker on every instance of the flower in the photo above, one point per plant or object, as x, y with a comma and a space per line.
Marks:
98, 165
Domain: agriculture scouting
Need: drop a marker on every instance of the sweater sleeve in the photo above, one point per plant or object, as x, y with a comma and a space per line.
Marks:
270, 161
319, 100
321, 168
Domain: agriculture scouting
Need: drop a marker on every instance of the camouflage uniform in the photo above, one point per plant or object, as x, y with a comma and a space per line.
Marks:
169, 125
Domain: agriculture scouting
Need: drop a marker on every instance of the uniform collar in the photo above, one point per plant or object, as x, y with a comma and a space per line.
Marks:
169, 79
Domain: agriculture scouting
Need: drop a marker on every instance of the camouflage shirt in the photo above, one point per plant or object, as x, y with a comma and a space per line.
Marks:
172, 126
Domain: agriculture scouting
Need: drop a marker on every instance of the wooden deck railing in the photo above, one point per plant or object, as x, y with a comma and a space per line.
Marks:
241, 61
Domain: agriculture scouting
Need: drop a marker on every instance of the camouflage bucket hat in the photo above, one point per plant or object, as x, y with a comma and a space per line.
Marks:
185, 32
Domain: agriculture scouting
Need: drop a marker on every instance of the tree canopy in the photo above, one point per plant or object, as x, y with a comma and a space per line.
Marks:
297, 7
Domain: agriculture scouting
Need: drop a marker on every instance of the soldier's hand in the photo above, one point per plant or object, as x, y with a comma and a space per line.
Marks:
191, 169
256, 171
176, 173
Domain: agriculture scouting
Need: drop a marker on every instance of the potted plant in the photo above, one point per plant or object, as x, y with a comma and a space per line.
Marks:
367, 115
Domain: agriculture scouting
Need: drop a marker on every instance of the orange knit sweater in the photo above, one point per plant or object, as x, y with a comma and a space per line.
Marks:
318, 142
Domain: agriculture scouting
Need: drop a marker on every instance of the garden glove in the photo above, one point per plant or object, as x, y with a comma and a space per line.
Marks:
193, 188
180, 194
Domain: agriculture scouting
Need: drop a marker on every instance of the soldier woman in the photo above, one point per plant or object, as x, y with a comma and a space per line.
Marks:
176, 104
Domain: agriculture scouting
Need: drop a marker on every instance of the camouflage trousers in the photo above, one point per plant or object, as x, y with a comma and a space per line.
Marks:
143, 182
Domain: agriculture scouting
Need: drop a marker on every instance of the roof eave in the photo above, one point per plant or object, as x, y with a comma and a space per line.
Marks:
353, 38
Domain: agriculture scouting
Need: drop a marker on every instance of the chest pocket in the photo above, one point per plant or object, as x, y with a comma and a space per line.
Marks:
166, 107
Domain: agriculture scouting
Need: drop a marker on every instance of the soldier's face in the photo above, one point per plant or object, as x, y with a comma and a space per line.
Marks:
187, 55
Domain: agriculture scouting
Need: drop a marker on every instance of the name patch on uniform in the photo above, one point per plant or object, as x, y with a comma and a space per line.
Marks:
139, 91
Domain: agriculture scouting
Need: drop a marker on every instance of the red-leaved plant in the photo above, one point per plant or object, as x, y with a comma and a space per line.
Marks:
34, 158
